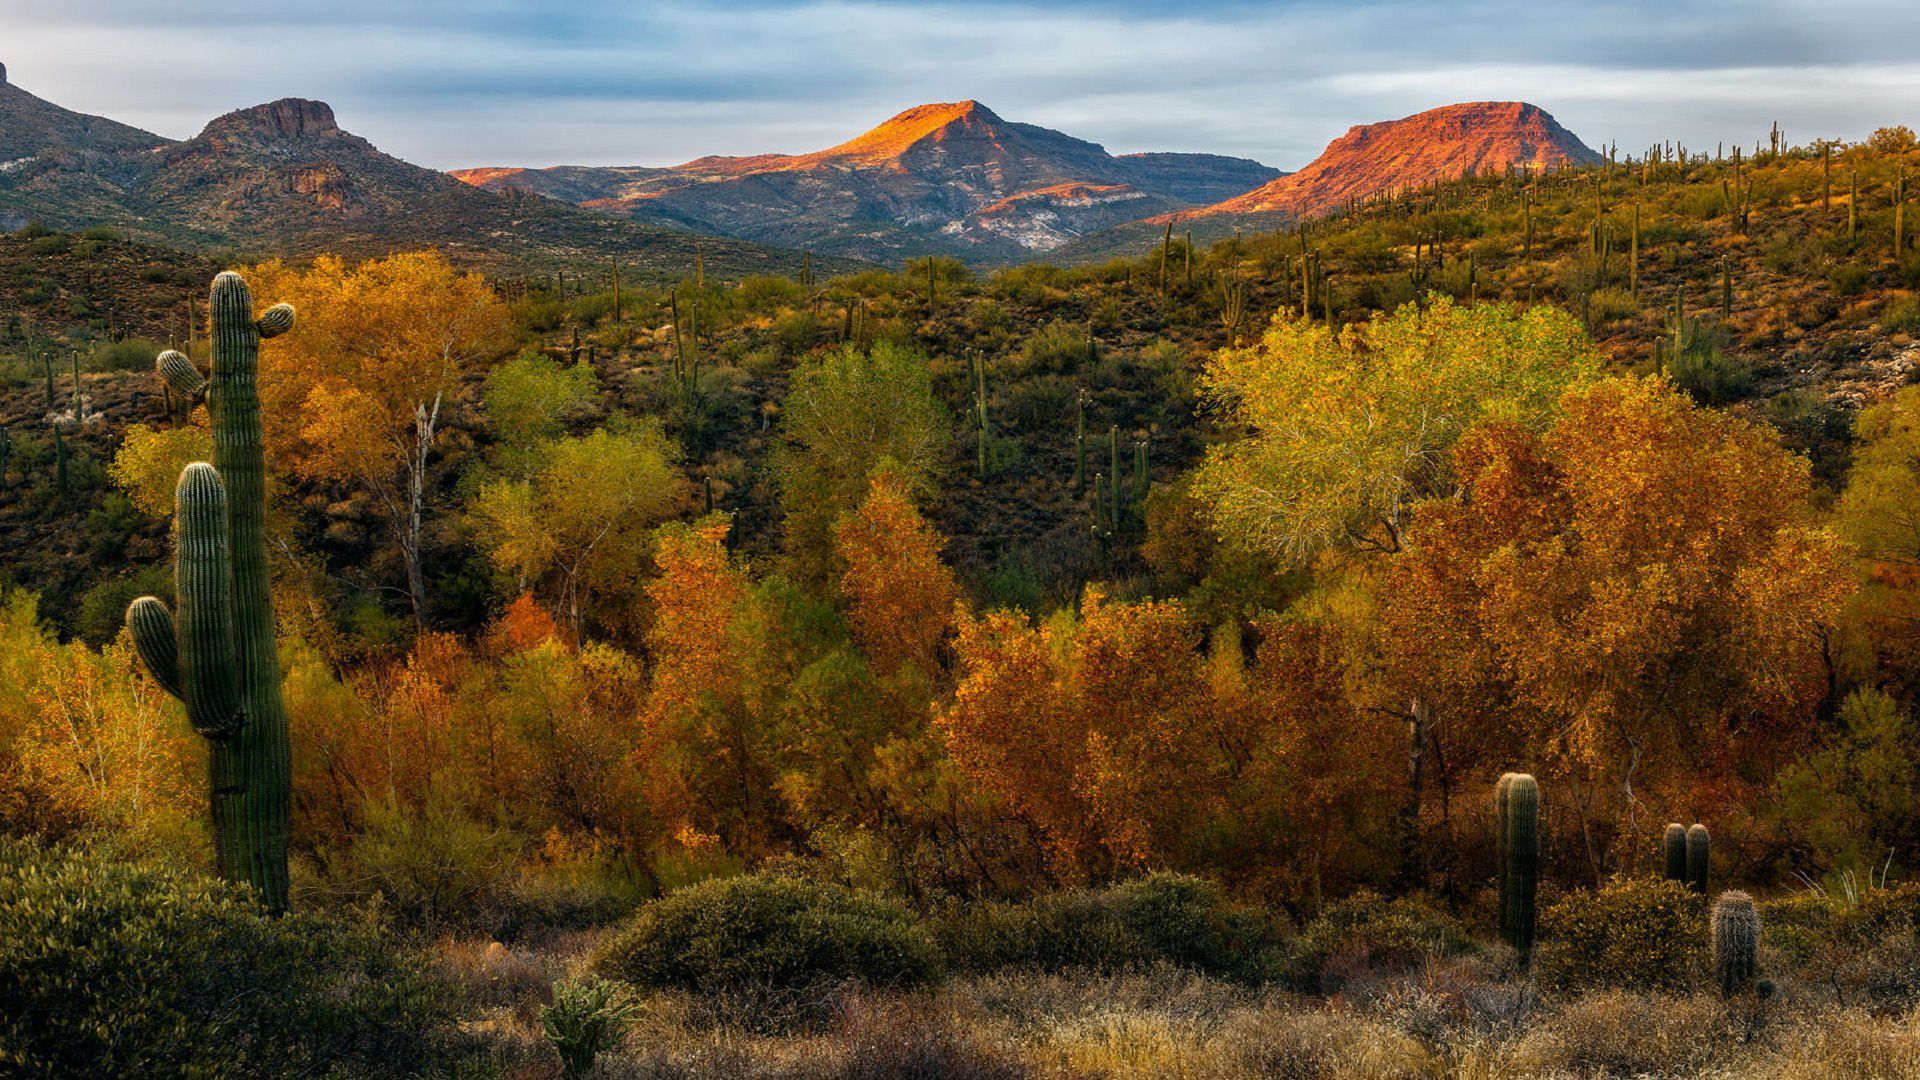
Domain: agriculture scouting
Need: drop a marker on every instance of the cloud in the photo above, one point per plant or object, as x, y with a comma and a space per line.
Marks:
449, 83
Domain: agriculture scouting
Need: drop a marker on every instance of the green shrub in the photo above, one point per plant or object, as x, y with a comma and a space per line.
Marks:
1860, 944
1367, 932
111, 966
588, 1015
1638, 933
432, 870
1162, 918
132, 354
765, 935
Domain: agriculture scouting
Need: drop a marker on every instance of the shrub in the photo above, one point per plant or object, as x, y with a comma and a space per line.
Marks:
1858, 944
587, 1016
765, 935
1367, 932
114, 966
1631, 932
433, 870
132, 354
1162, 918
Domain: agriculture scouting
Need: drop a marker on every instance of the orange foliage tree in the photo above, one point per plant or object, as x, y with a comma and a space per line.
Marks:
901, 595
1635, 600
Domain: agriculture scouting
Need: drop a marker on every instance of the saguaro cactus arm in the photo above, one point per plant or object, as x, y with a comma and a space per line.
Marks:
179, 373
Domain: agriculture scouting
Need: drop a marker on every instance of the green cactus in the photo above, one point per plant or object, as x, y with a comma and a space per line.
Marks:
6, 453
1699, 846
1142, 476
1080, 441
1113, 484
1676, 852
59, 461
980, 406
1853, 203
219, 655
1736, 942
1518, 798
1726, 290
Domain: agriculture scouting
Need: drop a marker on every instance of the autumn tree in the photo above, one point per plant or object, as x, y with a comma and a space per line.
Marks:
363, 392
900, 594
1345, 429
1097, 729
844, 414
579, 527
1635, 599
1879, 513
529, 402
147, 465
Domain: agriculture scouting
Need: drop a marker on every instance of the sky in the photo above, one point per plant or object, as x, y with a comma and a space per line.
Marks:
451, 83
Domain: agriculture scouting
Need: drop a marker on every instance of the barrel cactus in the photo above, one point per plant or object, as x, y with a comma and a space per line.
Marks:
1736, 942
218, 655
1518, 799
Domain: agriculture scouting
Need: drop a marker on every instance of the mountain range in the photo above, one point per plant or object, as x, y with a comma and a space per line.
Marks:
283, 178
953, 177
956, 179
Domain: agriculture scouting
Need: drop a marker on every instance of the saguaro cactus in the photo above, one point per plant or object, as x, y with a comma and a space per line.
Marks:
1676, 852
1518, 799
1736, 942
1698, 844
219, 655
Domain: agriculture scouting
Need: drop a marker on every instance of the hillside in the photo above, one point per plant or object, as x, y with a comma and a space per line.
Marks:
950, 178
1371, 160
284, 179
1818, 324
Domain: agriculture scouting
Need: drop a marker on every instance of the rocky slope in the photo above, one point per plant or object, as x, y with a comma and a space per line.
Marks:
936, 178
284, 178
1439, 144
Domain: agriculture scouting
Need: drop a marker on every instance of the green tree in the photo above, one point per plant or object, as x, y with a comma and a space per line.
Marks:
578, 527
1345, 429
845, 414
529, 401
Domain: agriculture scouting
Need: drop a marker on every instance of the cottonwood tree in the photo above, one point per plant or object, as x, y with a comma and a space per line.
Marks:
1345, 429
362, 394
1638, 591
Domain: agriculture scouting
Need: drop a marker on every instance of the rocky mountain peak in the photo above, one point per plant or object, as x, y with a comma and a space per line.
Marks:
284, 119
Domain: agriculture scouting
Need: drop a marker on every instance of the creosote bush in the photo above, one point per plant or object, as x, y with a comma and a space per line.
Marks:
1631, 932
767, 940
1162, 918
1367, 933
116, 966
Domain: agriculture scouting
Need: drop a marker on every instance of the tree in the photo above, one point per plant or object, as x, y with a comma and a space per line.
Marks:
1635, 598
529, 401
147, 465
581, 524
1346, 429
361, 393
901, 595
1879, 514
845, 413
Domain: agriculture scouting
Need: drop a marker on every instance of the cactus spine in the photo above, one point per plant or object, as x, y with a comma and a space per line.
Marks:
1518, 798
219, 655
1698, 852
1676, 852
1736, 942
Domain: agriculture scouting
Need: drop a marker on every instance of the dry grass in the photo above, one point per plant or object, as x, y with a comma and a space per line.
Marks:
1466, 1018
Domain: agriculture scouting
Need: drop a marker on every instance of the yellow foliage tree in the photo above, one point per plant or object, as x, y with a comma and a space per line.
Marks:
361, 392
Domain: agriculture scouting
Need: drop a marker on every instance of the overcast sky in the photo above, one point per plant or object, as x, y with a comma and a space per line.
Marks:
449, 83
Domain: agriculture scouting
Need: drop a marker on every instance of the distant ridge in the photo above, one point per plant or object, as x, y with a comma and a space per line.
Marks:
283, 178
945, 177
1439, 144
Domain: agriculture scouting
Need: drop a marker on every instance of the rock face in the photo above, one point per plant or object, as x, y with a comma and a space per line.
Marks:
284, 178
1440, 144
952, 177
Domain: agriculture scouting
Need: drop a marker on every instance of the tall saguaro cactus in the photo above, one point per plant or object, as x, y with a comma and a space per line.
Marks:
1517, 798
1699, 853
219, 655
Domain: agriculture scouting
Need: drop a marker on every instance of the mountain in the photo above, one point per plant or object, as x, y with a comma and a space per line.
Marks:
950, 178
30, 126
1370, 159
1439, 144
284, 178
